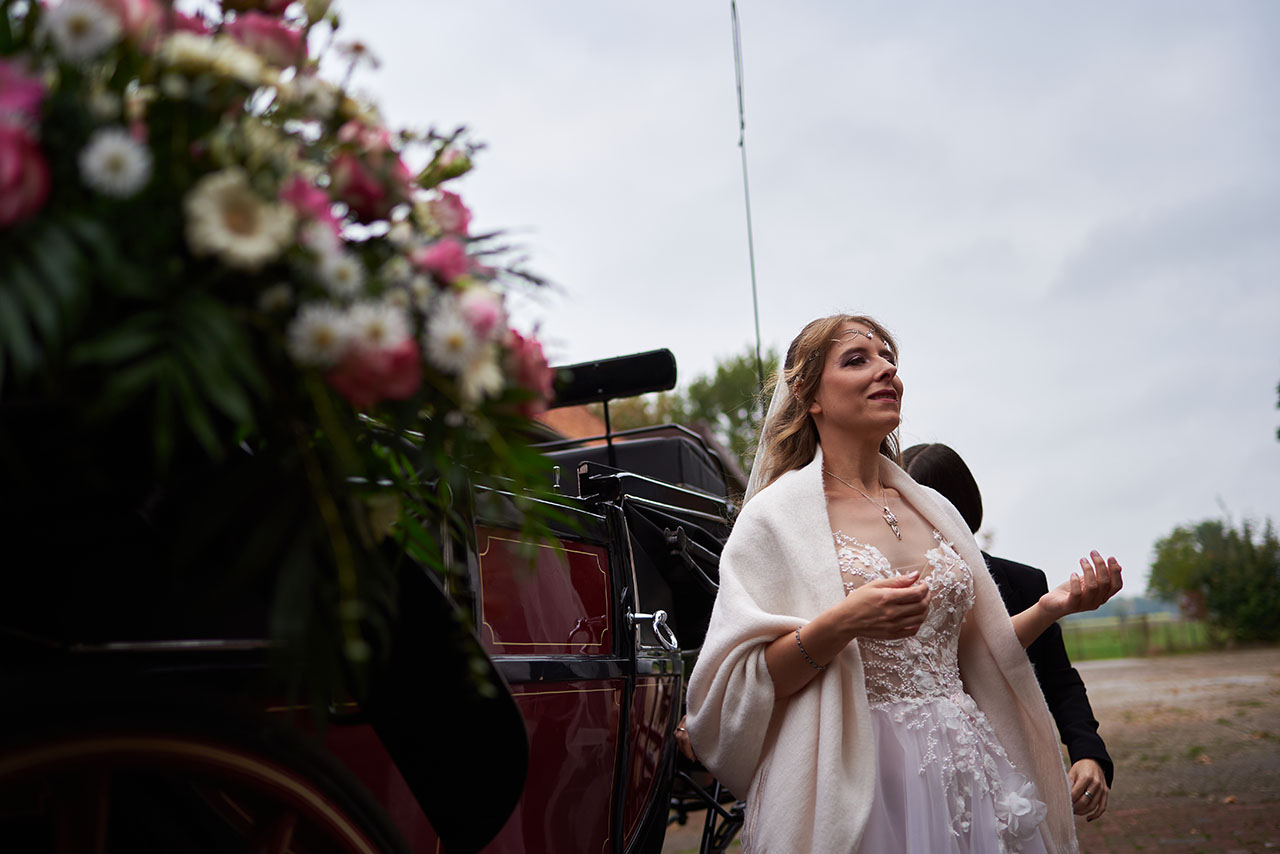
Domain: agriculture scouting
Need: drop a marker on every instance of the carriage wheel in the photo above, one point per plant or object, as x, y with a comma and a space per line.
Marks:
162, 788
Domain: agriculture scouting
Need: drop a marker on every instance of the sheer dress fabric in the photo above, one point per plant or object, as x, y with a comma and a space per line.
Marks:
944, 782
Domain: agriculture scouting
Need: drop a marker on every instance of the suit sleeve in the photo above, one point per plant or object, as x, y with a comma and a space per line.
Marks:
1063, 689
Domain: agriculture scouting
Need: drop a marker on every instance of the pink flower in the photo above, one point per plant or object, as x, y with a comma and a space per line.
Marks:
353, 184
310, 202
528, 365
274, 7
20, 94
24, 175
184, 23
371, 139
483, 310
446, 259
276, 42
450, 213
366, 376
140, 19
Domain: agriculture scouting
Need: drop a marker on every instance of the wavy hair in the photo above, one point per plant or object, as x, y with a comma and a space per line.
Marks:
790, 439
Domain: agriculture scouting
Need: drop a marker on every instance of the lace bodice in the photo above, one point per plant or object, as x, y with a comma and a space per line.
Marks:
925, 665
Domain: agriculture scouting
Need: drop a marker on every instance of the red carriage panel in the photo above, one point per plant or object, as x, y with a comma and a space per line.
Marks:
573, 749
559, 603
650, 721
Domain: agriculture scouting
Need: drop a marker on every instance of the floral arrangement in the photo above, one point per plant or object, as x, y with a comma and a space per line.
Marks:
205, 241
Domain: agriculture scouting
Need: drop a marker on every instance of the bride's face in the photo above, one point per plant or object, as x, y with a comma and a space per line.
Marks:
859, 393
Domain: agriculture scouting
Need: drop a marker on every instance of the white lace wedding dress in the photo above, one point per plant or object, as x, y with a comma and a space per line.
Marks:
944, 783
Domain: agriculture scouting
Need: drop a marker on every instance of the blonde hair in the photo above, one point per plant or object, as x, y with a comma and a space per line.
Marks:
790, 439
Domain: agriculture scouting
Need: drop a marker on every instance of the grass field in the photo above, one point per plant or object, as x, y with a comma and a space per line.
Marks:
1121, 637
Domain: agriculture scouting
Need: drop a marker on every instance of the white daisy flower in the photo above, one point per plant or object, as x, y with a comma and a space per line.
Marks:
319, 335
482, 377
234, 61
450, 342
318, 98
104, 105
114, 163
400, 235
377, 325
341, 273
399, 298
424, 293
319, 238
226, 218
190, 52
81, 30
397, 270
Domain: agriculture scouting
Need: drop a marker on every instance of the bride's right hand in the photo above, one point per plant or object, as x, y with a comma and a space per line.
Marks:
887, 608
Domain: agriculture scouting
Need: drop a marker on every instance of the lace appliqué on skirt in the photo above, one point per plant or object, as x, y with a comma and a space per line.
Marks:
945, 781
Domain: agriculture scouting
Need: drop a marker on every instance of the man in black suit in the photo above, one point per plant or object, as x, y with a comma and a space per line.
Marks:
1021, 586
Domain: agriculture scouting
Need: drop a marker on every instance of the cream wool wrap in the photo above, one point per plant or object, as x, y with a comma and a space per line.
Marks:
806, 765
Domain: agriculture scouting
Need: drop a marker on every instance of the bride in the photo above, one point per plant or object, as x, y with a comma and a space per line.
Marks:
861, 683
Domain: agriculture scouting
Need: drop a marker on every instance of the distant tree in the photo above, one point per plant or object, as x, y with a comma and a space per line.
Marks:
726, 400
1227, 576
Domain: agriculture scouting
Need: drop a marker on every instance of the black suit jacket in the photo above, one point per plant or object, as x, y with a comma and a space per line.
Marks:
1021, 587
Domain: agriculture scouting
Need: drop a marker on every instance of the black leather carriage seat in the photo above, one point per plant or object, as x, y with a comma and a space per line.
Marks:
676, 460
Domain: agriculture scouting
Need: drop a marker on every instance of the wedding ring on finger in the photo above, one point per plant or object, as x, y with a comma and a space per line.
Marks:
1089, 795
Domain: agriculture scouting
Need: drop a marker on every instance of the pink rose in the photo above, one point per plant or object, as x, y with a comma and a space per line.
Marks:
371, 139
276, 42
274, 7
371, 187
310, 202
450, 213
366, 376
528, 365
353, 184
24, 175
20, 94
446, 259
184, 23
483, 310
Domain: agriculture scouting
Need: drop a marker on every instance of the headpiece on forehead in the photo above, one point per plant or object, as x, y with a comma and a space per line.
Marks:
787, 434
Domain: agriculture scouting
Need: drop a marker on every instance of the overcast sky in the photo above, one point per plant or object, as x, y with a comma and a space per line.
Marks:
1068, 214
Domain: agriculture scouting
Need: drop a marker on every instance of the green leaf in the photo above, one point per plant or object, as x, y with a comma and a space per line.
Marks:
58, 260
194, 411
69, 280
125, 386
132, 338
220, 331
40, 305
15, 334
220, 387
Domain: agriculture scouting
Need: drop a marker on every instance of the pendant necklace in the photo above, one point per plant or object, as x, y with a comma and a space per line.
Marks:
889, 519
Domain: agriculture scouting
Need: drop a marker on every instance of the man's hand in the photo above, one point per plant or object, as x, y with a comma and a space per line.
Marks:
1088, 789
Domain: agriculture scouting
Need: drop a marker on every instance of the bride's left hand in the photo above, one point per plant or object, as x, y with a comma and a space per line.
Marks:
1086, 590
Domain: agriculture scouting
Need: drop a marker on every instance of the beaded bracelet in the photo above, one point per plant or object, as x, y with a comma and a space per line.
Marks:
805, 653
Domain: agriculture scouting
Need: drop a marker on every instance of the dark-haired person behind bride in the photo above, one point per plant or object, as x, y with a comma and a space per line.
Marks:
861, 685
1090, 775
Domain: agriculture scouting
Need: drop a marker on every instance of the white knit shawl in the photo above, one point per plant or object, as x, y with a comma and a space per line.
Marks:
806, 764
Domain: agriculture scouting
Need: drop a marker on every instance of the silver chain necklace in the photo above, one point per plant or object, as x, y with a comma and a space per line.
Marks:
889, 519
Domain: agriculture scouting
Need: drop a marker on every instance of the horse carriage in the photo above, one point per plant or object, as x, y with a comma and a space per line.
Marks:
527, 704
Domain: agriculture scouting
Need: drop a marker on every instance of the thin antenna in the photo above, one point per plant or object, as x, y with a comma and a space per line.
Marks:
746, 187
